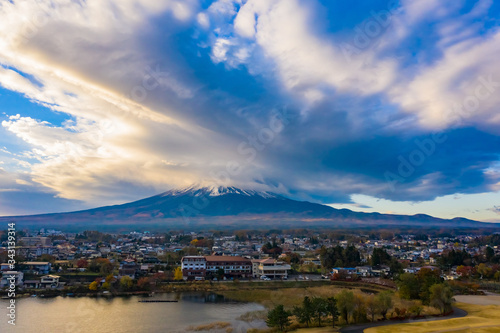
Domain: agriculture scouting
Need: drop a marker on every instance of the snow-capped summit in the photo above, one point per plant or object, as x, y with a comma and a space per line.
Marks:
214, 191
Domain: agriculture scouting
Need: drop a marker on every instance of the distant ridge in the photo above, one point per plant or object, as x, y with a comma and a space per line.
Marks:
196, 207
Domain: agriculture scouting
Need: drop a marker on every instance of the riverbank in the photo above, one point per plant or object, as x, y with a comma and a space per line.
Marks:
201, 286
295, 293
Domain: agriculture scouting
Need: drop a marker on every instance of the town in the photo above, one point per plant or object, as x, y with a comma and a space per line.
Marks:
92, 261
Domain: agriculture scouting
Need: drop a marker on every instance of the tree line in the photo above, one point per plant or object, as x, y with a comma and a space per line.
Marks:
351, 307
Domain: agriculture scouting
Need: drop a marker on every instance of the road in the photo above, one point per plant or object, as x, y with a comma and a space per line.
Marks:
457, 313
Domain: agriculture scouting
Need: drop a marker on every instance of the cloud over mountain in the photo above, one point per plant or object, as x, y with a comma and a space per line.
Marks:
313, 99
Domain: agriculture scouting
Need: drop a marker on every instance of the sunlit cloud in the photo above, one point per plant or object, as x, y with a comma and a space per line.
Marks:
155, 94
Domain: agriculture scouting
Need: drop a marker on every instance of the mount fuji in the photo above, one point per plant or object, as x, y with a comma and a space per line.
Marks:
218, 207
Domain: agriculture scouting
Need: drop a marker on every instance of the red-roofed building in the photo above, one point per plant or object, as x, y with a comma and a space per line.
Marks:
234, 267
197, 267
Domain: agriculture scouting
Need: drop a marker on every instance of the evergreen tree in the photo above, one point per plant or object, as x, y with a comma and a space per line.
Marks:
331, 306
279, 318
305, 312
319, 308
408, 286
380, 257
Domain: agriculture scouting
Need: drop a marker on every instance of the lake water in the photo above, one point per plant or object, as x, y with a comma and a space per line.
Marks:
124, 314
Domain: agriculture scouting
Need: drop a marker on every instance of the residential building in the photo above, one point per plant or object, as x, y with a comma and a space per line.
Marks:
5, 267
233, 267
197, 267
364, 271
35, 241
270, 268
129, 267
36, 267
49, 281
31, 284
7, 277
194, 267
346, 270
381, 270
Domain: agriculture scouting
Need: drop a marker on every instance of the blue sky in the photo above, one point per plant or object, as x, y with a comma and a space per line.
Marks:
387, 106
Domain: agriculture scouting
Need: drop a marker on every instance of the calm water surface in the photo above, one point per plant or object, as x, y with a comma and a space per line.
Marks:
124, 315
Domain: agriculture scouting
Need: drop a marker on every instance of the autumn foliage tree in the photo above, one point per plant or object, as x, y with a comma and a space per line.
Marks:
345, 304
178, 274
372, 307
143, 283
272, 249
465, 271
93, 286
384, 301
82, 263
126, 283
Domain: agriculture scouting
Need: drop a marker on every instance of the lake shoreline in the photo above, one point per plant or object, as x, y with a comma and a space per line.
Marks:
205, 286
128, 314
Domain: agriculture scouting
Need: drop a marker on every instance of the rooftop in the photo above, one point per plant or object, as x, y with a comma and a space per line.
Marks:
225, 258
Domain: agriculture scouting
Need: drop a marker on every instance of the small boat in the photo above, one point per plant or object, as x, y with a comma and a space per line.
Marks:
159, 301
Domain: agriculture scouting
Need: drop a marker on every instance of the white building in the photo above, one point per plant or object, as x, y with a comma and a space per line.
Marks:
49, 281
364, 271
270, 268
193, 267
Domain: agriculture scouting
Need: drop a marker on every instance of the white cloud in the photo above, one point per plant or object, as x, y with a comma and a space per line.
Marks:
305, 63
203, 20
220, 49
450, 91
312, 66
121, 130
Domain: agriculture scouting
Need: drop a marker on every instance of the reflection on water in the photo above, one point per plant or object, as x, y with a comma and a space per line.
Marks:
203, 298
125, 314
